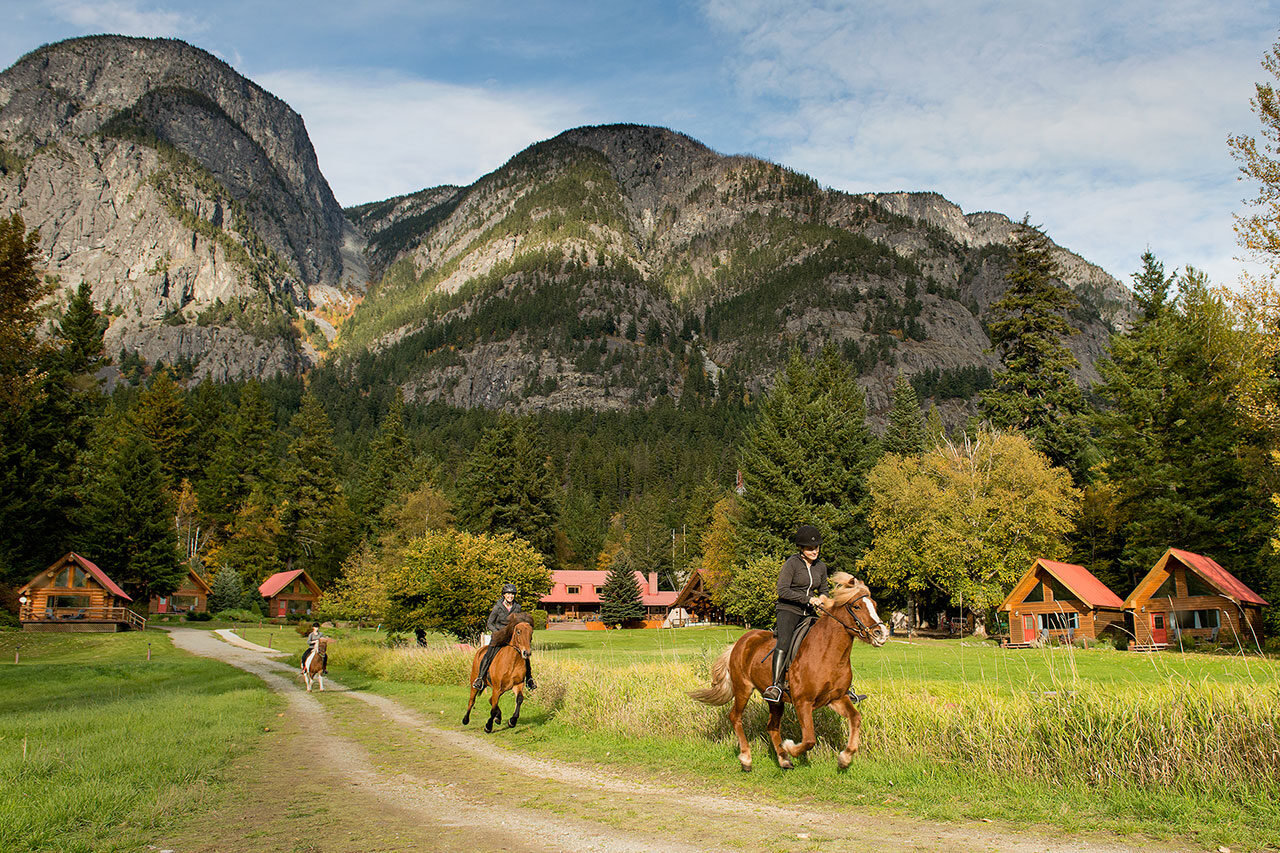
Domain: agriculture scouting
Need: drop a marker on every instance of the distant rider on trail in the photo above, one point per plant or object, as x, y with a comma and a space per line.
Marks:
497, 627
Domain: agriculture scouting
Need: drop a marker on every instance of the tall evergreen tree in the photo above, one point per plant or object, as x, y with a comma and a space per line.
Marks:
905, 434
1035, 393
313, 511
161, 417
508, 485
1180, 459
805, 460
620, 598
387, 467
20, 292
126, 524
1151, 287
226, 592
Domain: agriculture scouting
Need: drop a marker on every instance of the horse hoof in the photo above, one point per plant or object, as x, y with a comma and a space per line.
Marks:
746, 766
488, 728
466, 719
789, 747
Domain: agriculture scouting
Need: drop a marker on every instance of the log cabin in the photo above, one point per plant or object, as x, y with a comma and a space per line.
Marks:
290, 594
74, 594
1060, 601
191, 596
1188, 595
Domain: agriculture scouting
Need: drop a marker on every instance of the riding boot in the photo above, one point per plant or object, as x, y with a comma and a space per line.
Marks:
324, 664
773, 693
528, 676
479, 683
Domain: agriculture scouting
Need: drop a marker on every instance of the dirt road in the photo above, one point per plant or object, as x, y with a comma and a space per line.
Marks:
351, 771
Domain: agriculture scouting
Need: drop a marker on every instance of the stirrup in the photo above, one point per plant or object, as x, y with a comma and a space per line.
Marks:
772, 693
478, 684
855, 698
531, 684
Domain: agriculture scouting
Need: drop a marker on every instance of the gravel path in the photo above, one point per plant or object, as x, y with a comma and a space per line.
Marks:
437, 789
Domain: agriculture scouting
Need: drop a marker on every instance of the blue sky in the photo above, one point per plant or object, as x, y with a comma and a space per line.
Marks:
1106, 122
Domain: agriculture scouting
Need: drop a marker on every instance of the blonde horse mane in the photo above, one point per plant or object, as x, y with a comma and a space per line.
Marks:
845, 588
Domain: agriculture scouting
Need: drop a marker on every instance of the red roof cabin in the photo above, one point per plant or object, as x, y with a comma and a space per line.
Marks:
1060, 601
1187, 595
575, 595
290, 595
192, 596
74, 594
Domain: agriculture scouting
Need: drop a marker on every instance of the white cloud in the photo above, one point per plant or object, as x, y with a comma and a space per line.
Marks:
126, 18
378, 135
1106, 121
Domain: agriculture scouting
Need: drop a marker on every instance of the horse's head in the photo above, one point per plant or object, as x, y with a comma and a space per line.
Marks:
522, 638
853, 607
322, 644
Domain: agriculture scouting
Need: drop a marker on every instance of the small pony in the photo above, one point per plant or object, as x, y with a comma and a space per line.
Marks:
313, 663
507, 670
818, 677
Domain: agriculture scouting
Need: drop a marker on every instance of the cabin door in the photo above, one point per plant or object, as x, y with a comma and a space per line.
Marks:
1158, 632
1028, 628
162, 606
284, 608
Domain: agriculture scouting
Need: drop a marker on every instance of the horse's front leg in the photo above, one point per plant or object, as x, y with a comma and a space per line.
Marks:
495, 714
320, 678
845, 708
804, 713
775, 734
515, 715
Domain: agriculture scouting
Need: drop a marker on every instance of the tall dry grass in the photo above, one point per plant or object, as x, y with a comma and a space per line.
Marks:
1194, 736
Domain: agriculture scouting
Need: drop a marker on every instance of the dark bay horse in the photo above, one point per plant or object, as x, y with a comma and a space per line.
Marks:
508, 670
313, 663
818, 677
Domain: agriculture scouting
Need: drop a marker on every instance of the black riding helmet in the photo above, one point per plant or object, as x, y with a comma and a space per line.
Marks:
510, 587
807, 536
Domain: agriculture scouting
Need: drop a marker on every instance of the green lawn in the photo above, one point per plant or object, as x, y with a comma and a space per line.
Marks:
99, 745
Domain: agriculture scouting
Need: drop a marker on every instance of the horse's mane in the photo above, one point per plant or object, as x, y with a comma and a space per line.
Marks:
845, 588
520, 617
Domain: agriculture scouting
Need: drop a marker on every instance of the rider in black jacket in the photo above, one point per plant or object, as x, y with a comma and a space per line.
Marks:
801, 582
501, 614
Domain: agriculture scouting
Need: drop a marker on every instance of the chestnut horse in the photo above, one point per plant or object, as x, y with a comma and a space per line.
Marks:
313, 663
819, 676
507, 670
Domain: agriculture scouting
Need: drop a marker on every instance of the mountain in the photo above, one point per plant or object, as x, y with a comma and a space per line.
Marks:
611, 265
189, 198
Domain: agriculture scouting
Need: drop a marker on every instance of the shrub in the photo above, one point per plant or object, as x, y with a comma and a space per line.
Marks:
540, 618
237, 615
193, 616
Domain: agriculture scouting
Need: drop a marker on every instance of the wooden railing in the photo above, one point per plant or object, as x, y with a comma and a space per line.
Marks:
83, 614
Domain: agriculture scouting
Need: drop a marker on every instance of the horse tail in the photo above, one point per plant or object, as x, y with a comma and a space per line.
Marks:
721, 689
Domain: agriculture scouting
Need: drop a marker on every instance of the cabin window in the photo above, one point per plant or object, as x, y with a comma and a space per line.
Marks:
184, 602
299, 606
1059, 621
1166, 589
1192, 619
1197, 585
573, 590
1036, 594
69, 602
599, 590
1060, 592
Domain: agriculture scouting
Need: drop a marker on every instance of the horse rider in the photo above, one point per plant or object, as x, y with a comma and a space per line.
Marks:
501, 614
801, 585
313, 637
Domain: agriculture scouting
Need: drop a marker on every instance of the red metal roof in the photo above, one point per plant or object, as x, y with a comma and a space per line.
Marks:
1083, 583
278, 581
1218, 576
588, 580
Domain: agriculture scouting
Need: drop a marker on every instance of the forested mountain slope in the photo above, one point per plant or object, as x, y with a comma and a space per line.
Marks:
611, 265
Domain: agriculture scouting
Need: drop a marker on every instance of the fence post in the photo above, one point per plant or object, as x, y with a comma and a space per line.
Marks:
148, 651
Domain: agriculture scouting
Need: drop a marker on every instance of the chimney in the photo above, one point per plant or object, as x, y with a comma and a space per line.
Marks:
653, 582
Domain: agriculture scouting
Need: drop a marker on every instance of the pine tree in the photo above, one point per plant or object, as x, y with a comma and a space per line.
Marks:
508, 486
905, 434
386, 469
226, 592
313, 512
620, 597
20, 292
1035, 393
805, 460
127, 520
1151, 287
80, 334
161, 416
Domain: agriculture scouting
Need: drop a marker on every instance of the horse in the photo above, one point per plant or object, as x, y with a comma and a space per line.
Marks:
507, 670
818, 677
313, 663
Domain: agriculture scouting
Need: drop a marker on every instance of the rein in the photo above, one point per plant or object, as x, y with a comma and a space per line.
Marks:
860, 628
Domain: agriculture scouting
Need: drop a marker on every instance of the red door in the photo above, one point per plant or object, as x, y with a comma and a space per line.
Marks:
284, 607
163, 605
1158, 632
1028, 628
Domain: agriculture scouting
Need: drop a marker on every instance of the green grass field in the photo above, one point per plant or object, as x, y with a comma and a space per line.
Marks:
99, 746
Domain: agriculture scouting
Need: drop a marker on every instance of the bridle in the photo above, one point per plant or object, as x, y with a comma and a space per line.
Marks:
862, 630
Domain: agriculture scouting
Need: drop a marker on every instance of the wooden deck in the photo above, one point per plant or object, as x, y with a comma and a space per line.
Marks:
87, 619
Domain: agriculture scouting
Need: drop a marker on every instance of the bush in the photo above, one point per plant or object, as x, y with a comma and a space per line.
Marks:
193, 616
1122, 642
540, 619
237, 615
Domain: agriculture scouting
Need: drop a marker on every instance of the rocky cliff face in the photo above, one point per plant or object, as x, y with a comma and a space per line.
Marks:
614, 264
189, 198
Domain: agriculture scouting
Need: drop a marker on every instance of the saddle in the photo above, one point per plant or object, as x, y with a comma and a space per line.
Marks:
797, 637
